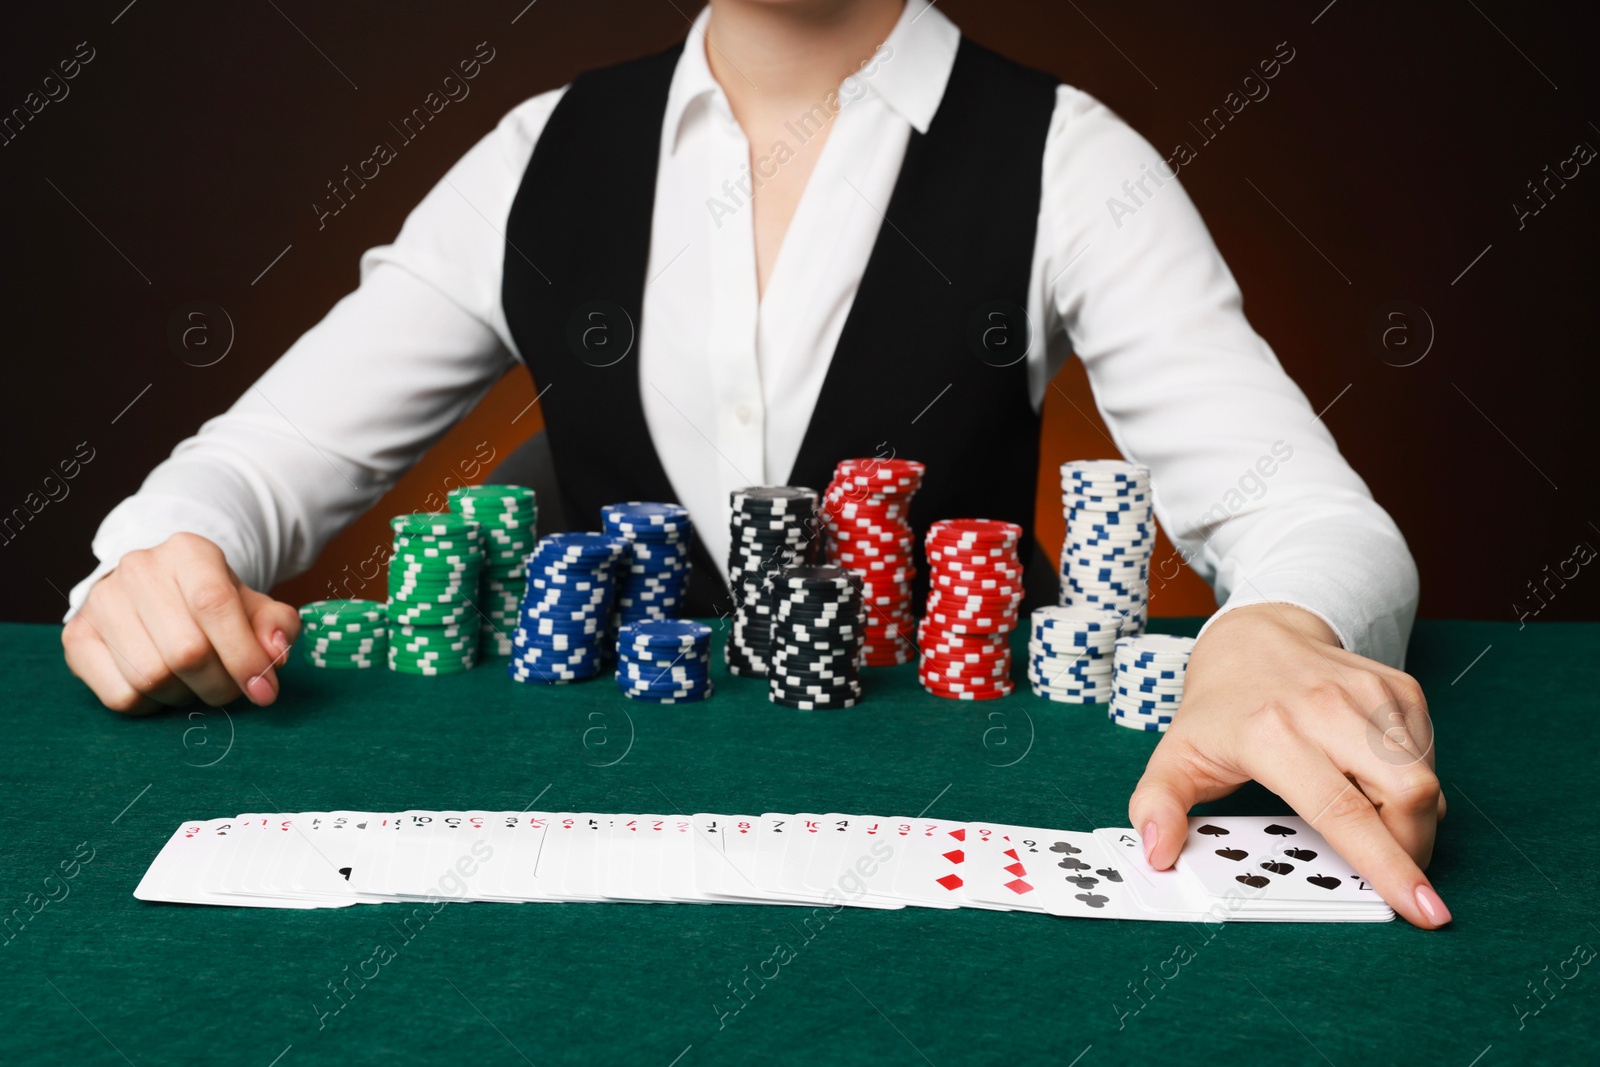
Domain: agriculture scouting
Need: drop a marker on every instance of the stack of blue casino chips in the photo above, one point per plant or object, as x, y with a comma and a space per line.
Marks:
1147, 683
664, 661
1111, 532
653, 577
571, 586
1070, 654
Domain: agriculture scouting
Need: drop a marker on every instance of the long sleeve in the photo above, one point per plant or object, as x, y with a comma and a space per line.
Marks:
360, 396
1248, 481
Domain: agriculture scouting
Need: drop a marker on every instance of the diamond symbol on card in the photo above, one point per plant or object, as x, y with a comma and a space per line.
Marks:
1019, 887
956, 856
959, 835
1015, 868
1012, 853
951, 882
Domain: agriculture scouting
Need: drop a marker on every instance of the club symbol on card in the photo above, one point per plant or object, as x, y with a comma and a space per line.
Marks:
1212, 831
1071, 864
1324, 881
1280, 831
1234, 854
1254, 881
1083, 881
1304, 855
1110, 874
1093, 900
1065, 849
1278, 868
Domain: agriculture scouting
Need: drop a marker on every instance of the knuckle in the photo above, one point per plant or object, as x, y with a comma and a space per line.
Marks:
1349, 807
122, 700
189, 653
211, 597
1416, 792
1275, 725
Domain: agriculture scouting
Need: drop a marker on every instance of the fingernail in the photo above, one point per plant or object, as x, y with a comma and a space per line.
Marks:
280, 641
261, 690
1150, 835
1432, 906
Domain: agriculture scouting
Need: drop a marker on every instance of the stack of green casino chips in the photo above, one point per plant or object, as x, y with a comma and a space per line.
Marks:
508, 523
433, 589
344, 634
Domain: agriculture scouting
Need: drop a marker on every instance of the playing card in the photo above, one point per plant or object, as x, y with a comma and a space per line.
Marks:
1166, 893
1073, 874
1271, 863
931, 867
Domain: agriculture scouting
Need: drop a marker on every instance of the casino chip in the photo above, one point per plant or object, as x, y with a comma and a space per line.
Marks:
1111, 532
508, 524
773, 527
653, 576
867, 510
664, 661
816, 639
1070, 654
433, 591
1147, 680
344, 634
566, 610
975, 590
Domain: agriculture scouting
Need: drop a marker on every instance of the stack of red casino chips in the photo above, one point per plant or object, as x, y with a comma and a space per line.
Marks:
868, 510
975, 591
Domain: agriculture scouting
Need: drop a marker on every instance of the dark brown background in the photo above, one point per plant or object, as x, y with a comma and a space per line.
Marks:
200, 134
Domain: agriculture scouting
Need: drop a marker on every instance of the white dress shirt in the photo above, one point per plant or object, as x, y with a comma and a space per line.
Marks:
729, 380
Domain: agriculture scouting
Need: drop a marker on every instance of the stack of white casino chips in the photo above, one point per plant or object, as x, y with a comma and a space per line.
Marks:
433, 589
1111, 532
567, 609
1147, 681
1070, 654
772, 527
653, 577
344, 634
508, 526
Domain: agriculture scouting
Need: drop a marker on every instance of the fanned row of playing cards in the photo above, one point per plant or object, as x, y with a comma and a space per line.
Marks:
1258, 869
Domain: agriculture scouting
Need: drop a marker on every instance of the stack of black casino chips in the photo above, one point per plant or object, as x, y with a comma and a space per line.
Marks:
817, 628
773, 528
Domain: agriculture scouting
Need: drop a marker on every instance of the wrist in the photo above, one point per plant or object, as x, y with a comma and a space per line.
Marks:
1307, 624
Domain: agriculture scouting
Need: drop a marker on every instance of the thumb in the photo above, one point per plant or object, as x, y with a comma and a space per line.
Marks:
275, 623
1160, 805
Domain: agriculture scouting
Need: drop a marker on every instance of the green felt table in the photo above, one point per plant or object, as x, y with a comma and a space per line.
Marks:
97, 977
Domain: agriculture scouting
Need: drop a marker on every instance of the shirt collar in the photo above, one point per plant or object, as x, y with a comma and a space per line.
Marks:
909, 76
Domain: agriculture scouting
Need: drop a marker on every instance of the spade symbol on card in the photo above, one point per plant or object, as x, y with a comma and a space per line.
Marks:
1093, 900
346, 872
1110, 874
1254, 881
1070, 864
1280, 831
1212, 831
361, 826
1065, 849
1304, 855
1278, 868
1234, 854
1083, 881
1324, 881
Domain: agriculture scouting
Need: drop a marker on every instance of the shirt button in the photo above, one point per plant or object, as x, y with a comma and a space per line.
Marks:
744, 413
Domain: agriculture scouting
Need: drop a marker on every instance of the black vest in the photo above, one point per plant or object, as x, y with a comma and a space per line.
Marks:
929, 365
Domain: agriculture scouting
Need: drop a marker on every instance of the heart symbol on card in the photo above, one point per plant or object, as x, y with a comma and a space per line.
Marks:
1254, 881
1304, 855
1093, 900
1110, 874
1278, 868
1280, 831
1065, 849
1234, 854
1212, 831
1324, 881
